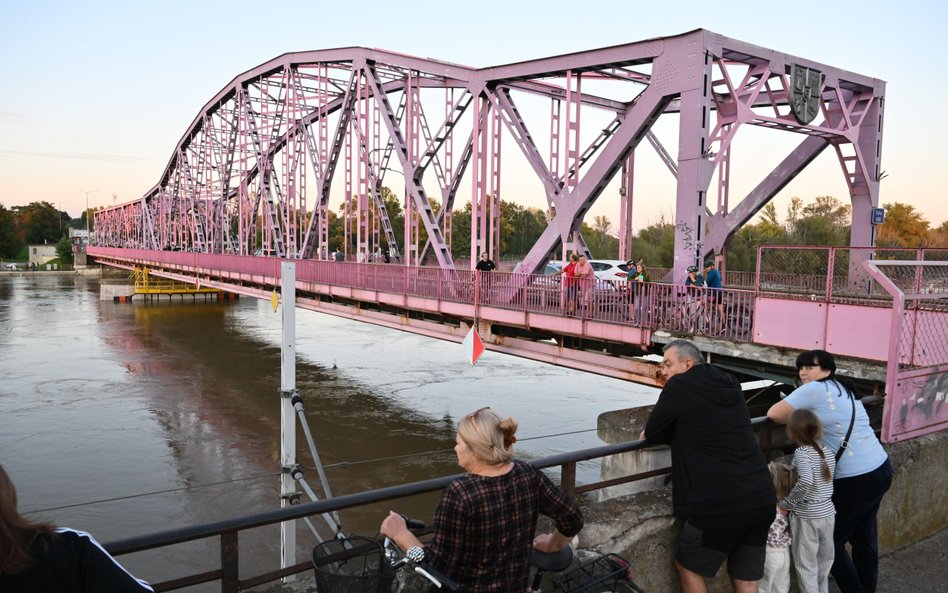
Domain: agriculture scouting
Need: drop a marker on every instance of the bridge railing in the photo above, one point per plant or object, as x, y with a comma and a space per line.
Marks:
227, 532
650, 305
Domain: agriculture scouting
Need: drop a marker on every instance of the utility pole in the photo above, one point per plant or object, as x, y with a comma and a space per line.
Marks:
91, 191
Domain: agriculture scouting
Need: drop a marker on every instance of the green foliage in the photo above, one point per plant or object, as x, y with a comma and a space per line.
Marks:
9, 242
655, 244
903, 227
602, 244
64, 250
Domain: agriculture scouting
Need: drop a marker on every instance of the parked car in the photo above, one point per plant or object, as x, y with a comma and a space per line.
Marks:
546, 290
9, 266
609, 269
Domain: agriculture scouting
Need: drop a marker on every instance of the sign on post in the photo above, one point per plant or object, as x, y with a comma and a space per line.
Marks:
878, 215
473, 346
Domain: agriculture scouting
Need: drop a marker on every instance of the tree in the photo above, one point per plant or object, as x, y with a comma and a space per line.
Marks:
64, 250
825, 221
655, 244
38, 222
904, 227
10, 244
939, 236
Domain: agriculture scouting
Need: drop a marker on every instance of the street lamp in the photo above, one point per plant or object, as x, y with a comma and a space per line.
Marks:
59, 211
91, 191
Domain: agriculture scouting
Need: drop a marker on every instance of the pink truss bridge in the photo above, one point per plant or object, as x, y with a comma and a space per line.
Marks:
250, 182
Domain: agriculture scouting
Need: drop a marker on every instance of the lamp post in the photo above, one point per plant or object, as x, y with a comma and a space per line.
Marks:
59, 211
91, 191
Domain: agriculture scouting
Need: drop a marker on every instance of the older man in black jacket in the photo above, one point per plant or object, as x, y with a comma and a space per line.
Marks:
721, 483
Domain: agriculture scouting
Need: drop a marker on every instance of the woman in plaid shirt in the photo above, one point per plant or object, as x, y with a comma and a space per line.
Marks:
485, 521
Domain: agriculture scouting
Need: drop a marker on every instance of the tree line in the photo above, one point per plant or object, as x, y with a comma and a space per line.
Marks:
36, 223
824, 221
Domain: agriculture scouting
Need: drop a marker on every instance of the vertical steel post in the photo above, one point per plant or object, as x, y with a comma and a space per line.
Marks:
287, 413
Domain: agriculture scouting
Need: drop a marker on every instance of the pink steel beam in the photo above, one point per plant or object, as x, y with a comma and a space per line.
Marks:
243, 155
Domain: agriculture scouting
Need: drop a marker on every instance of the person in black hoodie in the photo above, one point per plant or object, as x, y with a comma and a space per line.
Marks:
721, 485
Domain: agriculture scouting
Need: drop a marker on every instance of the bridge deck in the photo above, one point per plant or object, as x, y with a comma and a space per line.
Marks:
531, 315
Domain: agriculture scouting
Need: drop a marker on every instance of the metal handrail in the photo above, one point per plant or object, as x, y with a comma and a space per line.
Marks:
227, 530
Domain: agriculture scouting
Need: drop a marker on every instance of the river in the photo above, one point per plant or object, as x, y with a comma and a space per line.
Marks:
126, 419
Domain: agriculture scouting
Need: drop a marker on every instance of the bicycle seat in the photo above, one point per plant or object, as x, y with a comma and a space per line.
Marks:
551, 561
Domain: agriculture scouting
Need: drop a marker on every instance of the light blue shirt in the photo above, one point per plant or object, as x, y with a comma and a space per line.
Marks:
830, 402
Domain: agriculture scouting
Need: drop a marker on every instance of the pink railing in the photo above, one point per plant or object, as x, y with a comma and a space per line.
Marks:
652, 305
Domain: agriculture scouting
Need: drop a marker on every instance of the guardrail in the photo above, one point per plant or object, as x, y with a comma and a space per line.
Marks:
227, 531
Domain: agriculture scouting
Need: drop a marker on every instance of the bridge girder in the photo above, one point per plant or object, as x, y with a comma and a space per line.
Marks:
238, 179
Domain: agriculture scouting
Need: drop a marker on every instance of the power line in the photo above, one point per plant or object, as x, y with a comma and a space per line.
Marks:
339, 464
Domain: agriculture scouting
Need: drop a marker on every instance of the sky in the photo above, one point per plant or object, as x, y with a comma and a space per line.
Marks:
95, 96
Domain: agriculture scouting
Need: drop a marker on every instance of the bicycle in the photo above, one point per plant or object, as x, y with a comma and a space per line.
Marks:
356, 564
605, 573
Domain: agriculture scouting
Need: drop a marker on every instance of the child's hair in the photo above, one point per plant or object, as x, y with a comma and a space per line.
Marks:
804, 428
784, 478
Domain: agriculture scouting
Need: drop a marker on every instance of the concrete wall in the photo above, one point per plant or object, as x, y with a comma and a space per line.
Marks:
640, 525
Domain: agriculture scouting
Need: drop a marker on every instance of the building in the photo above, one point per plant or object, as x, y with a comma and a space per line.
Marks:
40, 254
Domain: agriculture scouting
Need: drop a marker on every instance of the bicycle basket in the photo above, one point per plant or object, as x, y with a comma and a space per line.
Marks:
599, 574
353, 565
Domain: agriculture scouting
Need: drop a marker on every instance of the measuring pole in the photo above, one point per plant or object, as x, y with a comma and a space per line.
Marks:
288, 494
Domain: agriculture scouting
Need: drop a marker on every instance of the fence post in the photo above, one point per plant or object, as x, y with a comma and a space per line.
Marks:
229, 562
568, 479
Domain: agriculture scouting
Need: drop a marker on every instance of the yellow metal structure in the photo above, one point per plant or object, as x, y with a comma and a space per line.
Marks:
146, 284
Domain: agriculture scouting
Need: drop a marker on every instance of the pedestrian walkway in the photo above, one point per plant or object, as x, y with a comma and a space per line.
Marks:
915, 568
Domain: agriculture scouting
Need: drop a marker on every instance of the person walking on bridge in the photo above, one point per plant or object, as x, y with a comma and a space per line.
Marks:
721, 484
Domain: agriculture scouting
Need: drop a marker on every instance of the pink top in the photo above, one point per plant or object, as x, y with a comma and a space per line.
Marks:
584, 273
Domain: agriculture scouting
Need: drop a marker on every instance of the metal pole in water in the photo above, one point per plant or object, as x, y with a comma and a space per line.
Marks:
288, 494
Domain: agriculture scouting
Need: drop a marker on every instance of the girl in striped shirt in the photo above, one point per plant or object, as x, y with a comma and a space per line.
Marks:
810, 503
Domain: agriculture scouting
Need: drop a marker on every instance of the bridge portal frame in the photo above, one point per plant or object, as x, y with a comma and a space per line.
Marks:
237, 180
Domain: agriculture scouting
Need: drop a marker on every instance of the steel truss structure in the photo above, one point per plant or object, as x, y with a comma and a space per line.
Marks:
254, 172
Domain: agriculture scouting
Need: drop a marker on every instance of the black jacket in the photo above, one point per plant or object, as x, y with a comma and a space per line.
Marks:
72, 562
717, 465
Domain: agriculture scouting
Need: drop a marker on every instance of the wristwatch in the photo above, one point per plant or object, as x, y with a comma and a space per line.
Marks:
415, 553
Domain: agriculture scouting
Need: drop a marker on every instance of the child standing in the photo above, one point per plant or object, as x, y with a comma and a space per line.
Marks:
810, 503
776, 577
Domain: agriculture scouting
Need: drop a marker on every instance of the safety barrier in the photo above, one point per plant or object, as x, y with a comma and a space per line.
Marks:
227, 531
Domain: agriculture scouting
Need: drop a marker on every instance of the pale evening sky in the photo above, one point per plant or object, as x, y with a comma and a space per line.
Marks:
95, 95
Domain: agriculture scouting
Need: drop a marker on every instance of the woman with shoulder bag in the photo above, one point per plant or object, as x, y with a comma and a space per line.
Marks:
863, 471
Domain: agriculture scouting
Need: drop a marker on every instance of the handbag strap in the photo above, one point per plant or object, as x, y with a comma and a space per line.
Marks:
852, 421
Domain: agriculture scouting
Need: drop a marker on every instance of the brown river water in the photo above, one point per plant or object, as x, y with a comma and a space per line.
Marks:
127, 419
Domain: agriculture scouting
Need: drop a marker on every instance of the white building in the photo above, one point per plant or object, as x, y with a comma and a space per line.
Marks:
40, 254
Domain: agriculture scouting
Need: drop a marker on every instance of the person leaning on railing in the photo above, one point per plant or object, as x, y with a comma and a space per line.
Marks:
39, 558
485, 521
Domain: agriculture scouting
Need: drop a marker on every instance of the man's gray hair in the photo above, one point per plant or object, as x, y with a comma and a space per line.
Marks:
685, 350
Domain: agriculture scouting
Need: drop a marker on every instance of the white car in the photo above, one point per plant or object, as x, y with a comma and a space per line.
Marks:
609, 269
10, 266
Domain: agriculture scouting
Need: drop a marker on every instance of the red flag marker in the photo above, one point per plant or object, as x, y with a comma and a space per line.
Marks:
473, 346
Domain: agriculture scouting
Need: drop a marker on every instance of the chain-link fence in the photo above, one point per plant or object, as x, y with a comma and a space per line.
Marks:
834, 274
923, 335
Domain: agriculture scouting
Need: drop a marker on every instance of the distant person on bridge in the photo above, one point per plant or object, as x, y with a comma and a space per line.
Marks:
721, 484
486, 264
585, 281
863, 471
485, 522
39, 558
640, 275
694, 278
712, 279
569, 270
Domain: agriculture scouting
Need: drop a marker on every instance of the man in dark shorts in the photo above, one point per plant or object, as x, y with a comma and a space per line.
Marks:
721, 483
